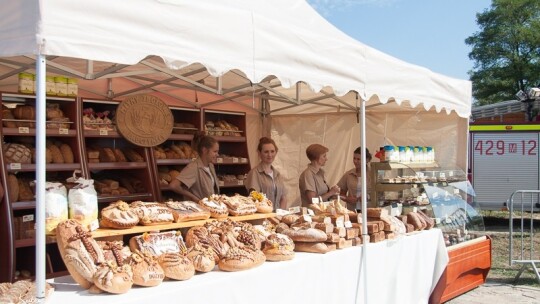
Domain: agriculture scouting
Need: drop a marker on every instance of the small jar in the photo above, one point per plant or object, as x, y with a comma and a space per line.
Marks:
402, 154
72, 87
430, 155
409, 154
388, 153
61, 85
26, 83
418, 154
50, 86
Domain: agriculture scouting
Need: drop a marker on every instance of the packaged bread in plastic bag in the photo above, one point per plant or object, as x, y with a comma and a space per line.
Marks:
83, 204
56, 206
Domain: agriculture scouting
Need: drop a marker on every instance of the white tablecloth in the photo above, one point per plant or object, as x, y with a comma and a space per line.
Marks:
399, 271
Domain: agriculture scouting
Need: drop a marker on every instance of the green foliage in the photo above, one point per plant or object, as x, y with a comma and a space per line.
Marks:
506, 50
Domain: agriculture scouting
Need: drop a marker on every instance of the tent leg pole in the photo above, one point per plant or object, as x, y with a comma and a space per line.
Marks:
40, 177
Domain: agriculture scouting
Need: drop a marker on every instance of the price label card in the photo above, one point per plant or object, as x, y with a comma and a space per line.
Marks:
28, 218
456, 191
448, 220
94, 225
420, 174
295, 209
451, 173
15, 166
348, 224
63, 131
240, 182
307, 218
282, 212
340, 223
442, 175
24, 130
103, 132
415, 209
315, 200
243, 160
310, 212
221, 183
220, 160
235, 160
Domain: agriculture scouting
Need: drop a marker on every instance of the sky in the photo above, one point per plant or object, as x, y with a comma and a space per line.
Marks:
428, 33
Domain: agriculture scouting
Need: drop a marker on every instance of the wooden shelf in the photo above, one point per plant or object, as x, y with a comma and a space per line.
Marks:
101, 134
186, 137
23, 205
179, 161
48, 167
117, 166
49, 239
141, 229
32, 132
230, 138
129, 198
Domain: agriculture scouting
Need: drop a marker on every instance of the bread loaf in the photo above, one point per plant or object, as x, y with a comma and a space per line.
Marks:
430, 223
25, 191
67, 153
241, 258
112, 278
415, 220
25, 112
119, 155
6, 114
17, 153
92, 153
146, 269
176, 266
119, 216
306, 235
13, 188
202, 258
56, 154
278, 247
106, 155
311, 247
133, 155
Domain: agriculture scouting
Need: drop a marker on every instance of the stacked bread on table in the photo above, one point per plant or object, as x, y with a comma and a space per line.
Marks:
23, 291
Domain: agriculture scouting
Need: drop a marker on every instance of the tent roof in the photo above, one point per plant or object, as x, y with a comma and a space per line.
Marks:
233, 48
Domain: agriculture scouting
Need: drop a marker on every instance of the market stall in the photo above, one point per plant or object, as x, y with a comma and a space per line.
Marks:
173, 50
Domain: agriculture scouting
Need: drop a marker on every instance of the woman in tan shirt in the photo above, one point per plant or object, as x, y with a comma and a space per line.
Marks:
312, 181
351, 182
198, 179
265, 178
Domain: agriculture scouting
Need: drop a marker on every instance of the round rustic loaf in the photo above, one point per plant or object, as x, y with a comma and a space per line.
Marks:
17, 153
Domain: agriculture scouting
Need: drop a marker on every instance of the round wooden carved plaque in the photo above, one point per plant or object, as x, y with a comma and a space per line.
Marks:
144, 120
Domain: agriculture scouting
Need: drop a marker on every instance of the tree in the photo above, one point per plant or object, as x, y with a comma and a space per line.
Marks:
506, 50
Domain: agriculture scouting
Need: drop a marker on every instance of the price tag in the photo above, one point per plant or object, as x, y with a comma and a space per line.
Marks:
243, 160
63, 131
340, 223
442, 175
15, 166
221, 183
456, 191
415, 209
220, 160
103, 132
235, 160
282, 212
24, 130
240, 182
295, 209
348, 224
307, 218
310, 212
451, 173
315, 200
420, 174
28, 218
94, 225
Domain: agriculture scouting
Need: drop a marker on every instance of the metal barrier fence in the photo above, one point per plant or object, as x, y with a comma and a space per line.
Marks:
525, 201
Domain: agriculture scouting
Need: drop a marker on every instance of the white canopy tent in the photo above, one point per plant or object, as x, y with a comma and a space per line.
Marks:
212, 54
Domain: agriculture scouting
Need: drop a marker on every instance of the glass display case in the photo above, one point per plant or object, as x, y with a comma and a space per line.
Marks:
444, 194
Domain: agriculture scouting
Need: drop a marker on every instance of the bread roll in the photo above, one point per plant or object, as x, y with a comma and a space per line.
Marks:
116, 279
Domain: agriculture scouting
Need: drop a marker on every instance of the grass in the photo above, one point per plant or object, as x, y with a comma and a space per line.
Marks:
498, 229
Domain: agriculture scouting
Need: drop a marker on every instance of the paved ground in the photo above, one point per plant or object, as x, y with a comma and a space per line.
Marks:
497, 293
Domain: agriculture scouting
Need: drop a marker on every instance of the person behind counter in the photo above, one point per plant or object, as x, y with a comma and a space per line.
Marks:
312, 181
351, 182
265, 178
198, 179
